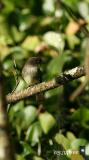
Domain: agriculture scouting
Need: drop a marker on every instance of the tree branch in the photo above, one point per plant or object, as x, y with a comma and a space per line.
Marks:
74, 17
59, 80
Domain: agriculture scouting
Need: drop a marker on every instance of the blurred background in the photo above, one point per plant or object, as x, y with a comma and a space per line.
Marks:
57, 31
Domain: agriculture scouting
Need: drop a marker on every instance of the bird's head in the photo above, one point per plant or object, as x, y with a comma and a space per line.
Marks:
34, 61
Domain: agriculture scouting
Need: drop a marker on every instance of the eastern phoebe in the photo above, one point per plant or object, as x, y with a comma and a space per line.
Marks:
31, 75
31, 72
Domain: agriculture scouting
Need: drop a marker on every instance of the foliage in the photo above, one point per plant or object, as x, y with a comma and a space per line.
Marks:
44, 28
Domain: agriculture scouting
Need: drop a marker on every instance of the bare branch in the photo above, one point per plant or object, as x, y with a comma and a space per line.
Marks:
78, 91
44, 86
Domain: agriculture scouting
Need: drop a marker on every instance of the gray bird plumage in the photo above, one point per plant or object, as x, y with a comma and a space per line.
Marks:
31, 71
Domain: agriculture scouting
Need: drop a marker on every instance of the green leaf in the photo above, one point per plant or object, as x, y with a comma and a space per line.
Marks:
13, 111
47, 121
24, 118
71, 136
10, 6
19, 157
54, 39
27, 150
28, 115
62, 140
18, 54
48, 6
77, 143
22, 85
79, 115
84, 7
33, 133
18, 36
37, 158
73, 41
8, 64
5, 37
30, 43
4, 51
87, 149
56, 64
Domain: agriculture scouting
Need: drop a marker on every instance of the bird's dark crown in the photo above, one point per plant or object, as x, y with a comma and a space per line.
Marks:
34, 60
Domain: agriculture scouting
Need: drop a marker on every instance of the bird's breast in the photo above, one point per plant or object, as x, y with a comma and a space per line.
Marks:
30, 75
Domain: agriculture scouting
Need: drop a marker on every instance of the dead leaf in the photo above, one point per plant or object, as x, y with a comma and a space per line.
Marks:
73, 27
76, 157
41, 47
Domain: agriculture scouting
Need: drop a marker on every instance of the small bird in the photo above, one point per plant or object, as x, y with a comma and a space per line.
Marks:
32, 75
31, 71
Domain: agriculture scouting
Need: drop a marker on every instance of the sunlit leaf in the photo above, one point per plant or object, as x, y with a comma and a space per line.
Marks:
5, 37
62, 140
77, 143
71, 136
48, 6
73, 41
20, 157
37, 158
54, 39
46, 21
18, 36
83, 7
30, 43
4, 51
29, 113
87, 149
47, 121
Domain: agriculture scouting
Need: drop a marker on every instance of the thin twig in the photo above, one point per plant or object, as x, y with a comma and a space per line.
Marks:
78, 91
82, 86
74, 17
59, 80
